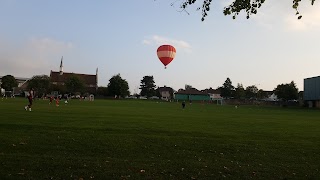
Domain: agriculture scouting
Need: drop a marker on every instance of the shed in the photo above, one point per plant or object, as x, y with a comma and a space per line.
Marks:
311, 93
191, 94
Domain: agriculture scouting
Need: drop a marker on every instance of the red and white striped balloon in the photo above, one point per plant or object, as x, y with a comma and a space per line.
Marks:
166, 54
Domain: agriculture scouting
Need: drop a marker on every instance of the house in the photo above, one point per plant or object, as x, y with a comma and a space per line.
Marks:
311, 94
20, 80
165, 92
22, 85
191, 94
270, 96
60, 77
215, 95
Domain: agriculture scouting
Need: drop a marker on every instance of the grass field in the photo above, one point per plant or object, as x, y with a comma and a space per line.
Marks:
118, 139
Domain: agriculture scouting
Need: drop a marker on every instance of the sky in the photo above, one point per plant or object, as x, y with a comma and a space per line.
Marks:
270, 48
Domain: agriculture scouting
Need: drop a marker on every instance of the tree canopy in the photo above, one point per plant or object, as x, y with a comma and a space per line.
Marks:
187, 86
251, 91
74, 84
147, 86
103, 91
118, 86
227, 88
8, 82
239, 92
287, 92
40, 83
248, 6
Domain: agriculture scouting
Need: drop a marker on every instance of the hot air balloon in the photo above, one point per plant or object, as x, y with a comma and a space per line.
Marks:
166, 54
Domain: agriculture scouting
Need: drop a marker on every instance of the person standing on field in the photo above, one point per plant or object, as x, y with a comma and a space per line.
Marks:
30, 99
183, 104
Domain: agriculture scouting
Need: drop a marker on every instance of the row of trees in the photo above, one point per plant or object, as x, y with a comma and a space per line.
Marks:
118, 86
43, 85
284, 92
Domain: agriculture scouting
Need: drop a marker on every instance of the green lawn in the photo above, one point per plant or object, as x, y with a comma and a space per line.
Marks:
118, 139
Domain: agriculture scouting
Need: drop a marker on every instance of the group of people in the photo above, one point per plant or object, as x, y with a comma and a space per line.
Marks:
57, 100
31, 96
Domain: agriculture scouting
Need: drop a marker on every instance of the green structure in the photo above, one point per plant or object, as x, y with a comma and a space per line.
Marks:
191, 95
311, 94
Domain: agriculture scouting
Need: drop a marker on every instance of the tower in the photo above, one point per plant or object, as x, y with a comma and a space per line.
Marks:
61, 67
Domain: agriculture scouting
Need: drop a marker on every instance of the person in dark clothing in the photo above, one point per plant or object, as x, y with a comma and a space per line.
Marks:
30, 99
183, 104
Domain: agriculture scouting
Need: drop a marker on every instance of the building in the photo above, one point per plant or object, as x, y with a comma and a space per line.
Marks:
191, 94
165, 92
311, 94
21, 81
22, 85
215, 95
60, 77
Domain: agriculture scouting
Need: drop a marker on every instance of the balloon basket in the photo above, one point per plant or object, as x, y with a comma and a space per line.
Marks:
165, 67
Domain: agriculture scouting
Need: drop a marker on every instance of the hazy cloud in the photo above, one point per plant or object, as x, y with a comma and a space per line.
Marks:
310, 18
35, 55
274, 13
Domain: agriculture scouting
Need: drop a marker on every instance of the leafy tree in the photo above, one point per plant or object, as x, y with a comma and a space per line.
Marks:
58, 87
9, 82
251, 91
248, 6
187, 86
239, 92
147, 86
40, 83
261, 94
227, 88
118, 86
286, 92
74, 84
102, 91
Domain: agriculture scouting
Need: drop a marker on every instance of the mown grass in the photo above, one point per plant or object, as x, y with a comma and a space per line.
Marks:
118, 139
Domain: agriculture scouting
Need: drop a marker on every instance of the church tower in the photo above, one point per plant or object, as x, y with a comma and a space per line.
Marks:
61, 67
97, 78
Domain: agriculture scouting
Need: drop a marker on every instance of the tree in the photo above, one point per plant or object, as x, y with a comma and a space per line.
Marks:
147, 86
248, 6
103, 91
239, 92
251, 92
74, 84
9, 82
118, 86
59, 87
286, 92
261, 94
40, 83
187, 86
227, 89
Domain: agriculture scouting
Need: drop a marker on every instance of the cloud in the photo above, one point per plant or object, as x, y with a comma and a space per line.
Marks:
33, 57
159, 40
274, 13
310, 19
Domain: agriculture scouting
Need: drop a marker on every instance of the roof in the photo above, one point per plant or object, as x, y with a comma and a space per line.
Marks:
191, 91
161, 89
87, 78
313, 77
211, 91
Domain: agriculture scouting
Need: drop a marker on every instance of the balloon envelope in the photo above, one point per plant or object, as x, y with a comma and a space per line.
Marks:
166, 54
